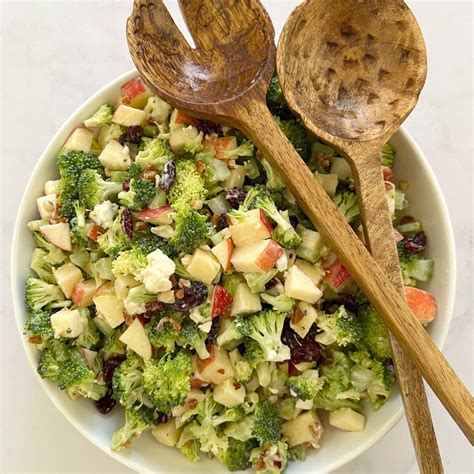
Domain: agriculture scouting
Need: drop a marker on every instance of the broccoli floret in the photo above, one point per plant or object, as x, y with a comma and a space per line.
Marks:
163, 332
155, 154
191, 336
41, 266
297, 135
127, 381
267, 423
259, 197
237, 455
346, 202
306, 385
374, 334
337, 391
388, 155
48, 365
298, 452
140, 194
67, 190
266, 328
39, 294
341, 327
188, 444
371, 378
190, 232
130, 262
90, 335
137, 421
78, 380
55, 255
146, 242
74, 163
167, 382
112, 345
281, 302
270, 458
287, 408
103, 116
414, 266
275, 100
78, 227
243, 371
274, 180
114, 240
209, 438
257, 281
39, 324
93, 189
188, 186
253, 353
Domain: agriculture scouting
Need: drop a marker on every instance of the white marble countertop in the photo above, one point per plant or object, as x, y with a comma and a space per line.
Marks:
55, 54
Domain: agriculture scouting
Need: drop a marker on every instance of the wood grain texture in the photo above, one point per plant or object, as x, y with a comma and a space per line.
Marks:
212, 89
368, 66
378, 231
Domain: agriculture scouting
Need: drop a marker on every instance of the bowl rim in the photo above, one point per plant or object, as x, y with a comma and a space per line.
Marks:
52, 146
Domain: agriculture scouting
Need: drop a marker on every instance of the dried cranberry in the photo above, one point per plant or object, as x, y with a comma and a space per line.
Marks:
133, 134
161, 417
294, 221
212, 334
105, 404
272, 283
415, 243
151, 309
389, 366
348, 300
127, 223
292, 370
222, 222
110, 366
207, 127
126, 185
235, 197
168, 176
193, 296
407, 219
302, 349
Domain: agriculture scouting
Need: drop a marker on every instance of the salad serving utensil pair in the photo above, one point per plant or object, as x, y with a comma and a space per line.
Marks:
225, 79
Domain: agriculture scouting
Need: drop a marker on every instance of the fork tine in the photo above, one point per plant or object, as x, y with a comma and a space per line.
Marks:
212, 21
150, 23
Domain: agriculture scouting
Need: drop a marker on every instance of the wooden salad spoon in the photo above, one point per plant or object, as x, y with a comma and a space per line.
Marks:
367, 66
225, 79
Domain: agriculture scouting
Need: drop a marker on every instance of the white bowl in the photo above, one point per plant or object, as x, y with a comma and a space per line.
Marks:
338, 448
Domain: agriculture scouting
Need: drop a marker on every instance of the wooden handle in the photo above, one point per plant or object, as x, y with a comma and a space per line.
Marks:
378, 230
253, 117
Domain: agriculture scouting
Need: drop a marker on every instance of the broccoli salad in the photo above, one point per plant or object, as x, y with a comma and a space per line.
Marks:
176, 277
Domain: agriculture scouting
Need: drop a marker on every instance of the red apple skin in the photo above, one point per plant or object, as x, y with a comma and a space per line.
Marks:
79, 294
230, 249
387, 173
336, 274
220, 144
267, 259
150, 213
94, 233
421, 303
133, 88
266, 223
221, 300
183, 117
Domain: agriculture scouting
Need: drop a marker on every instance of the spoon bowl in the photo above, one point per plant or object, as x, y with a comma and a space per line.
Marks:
228, 61
368, 66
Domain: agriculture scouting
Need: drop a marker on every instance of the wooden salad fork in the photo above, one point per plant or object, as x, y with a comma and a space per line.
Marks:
225, 79
368, 66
